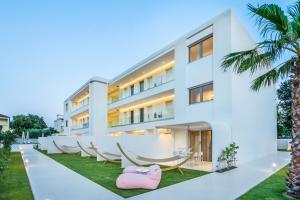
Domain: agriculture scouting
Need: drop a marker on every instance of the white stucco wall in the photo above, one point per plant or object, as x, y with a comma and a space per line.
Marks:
98, 108
254, 113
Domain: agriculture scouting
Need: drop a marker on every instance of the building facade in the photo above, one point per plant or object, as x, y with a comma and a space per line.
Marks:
181, 90
59, 123
85, 110
4, 123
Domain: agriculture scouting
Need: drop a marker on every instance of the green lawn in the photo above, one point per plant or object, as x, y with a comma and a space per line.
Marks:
14, 184
270, 189
285, 150
106, 174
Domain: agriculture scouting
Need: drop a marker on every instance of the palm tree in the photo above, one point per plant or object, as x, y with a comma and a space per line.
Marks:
281, 33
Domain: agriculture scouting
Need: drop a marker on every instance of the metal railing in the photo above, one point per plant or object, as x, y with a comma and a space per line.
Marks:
120, 96
80, 105
150, 117
80, 126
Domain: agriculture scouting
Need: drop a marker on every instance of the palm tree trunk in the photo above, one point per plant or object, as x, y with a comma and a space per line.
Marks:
293, 176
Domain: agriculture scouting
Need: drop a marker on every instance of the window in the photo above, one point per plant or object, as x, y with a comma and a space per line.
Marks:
201, 49
66, 123
207, 92
132, 90
67, 107
131, 117
142, 86
150, 82
141, 114
207, 47
195, 95
194, 52
201, 93
169, 74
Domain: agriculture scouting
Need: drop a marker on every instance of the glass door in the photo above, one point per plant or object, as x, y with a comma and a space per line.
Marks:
206, 145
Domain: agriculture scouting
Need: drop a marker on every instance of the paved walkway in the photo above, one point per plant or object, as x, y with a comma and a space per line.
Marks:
229, 185
52, 181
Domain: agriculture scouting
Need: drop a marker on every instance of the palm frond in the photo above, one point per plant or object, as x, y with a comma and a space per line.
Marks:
249, 60
294, 13
272, 76
271, 19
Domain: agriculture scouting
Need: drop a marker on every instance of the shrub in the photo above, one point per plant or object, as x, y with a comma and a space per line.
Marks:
228, 155
35, 133
3, 160
7, 138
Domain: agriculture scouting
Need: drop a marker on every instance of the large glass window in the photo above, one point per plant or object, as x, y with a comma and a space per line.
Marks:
142, 86
207, 47
141, 114
201, 93
194, 53
131, 117
132, 90
201, 49
194, 95
208, 93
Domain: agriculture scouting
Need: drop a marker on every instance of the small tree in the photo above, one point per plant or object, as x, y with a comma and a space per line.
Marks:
7, 138
228, 155
284, 110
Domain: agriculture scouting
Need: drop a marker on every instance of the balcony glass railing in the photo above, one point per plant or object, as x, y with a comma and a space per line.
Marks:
121, 95
79, 105
160, 115
80, 126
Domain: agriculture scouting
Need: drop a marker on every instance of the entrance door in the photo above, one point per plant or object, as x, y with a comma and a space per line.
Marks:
201, 142
206, 145
195, 141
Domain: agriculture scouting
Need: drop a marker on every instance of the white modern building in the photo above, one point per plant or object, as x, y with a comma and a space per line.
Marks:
59, 123
181, 91
85, 111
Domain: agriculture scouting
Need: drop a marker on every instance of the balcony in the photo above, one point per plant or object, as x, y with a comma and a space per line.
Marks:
137, 119
147, 95
80, 126
122, 96
79, 105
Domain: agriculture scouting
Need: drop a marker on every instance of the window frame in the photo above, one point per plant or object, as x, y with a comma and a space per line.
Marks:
199, 42
201, 88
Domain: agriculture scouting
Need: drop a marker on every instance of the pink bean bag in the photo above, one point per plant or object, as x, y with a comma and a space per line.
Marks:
131, 179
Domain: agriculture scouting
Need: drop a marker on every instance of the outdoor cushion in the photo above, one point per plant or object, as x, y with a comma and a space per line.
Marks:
131, 179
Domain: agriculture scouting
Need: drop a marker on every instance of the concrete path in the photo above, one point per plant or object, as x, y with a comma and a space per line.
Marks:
229, 185
52, 181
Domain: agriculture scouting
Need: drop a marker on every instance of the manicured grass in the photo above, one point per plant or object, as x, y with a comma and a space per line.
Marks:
285, 150
14, 184
105, 174
270, 189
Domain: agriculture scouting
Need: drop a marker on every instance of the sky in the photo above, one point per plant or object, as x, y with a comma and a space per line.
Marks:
48, 49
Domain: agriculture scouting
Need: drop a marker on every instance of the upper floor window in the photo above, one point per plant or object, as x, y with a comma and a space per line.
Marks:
132, 90
201, 49
66, 123
142, 86
201, 93
67, 107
